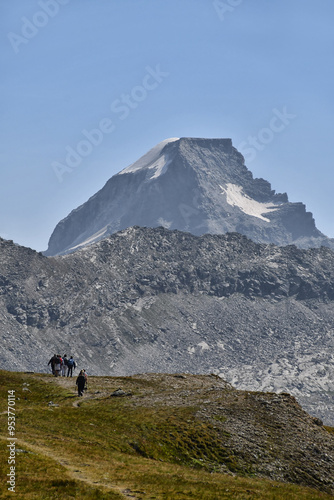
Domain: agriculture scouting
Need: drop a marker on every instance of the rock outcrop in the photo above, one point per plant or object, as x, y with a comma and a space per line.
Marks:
147, 299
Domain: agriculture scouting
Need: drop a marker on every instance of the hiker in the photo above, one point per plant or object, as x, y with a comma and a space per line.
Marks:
80, 382
64, 365
86, 380
61, 365
70, 365
57, 365
52, 362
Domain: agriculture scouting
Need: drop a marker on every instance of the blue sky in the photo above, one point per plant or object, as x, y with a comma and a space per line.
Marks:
88, 86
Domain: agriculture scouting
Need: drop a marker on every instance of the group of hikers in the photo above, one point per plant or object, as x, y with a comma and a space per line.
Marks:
59, 365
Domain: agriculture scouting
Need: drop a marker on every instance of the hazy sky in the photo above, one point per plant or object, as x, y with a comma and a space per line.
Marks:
88, 86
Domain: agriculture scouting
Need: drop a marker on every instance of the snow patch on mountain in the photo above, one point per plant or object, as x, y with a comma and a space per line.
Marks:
154, 160
204, 346
237, 198
164, 223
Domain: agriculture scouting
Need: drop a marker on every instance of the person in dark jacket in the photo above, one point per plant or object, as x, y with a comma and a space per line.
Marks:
70, 366
81, 380
52, 362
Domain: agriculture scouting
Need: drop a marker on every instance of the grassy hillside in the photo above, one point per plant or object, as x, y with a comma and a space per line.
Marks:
167, 437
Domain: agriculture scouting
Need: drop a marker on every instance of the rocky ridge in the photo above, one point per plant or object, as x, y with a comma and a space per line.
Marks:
146, 299
263, 434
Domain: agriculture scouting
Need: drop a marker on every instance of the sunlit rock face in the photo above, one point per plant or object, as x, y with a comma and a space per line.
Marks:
194, 185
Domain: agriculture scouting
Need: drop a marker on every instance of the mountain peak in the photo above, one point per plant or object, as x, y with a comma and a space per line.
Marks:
199, 185
154, 159
158, 158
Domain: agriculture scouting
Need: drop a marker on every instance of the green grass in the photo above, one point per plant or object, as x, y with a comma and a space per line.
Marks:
116, 447
38, 476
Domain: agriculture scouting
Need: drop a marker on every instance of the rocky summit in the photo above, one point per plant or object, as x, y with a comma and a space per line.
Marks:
156, 300
194, 185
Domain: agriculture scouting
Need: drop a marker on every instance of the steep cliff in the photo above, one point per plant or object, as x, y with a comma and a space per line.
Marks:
196, 185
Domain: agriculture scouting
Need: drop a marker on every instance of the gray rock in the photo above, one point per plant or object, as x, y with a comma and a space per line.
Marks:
196, 185
155, 300
120, 393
